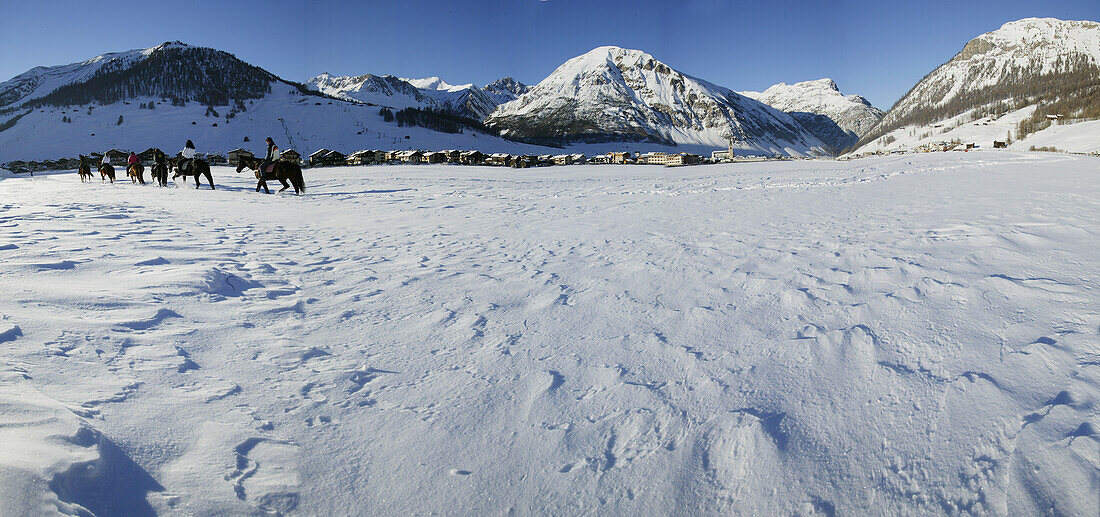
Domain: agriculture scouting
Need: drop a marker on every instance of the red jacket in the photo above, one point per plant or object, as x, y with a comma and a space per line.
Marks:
132, 159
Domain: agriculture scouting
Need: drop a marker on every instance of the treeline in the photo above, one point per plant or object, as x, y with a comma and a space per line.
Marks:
439, 120
1071, 87
207, 76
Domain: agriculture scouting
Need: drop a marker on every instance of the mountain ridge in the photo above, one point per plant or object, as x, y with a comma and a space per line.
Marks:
611, 93
1045, 64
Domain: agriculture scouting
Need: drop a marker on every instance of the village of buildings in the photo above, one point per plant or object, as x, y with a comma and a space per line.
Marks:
331, 158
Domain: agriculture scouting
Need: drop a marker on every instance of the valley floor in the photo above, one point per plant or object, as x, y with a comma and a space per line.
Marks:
897, 335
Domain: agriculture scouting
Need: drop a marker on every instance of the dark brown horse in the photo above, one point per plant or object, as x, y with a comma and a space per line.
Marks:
281, 171
159, 173
106, 171
136, 171
198, 168
84, 170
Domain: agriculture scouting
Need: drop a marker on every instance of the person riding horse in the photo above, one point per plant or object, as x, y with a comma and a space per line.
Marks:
160, 167
132, 159
269, 159
188, 154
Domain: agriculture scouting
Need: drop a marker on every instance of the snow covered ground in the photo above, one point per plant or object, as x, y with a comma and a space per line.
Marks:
896, 335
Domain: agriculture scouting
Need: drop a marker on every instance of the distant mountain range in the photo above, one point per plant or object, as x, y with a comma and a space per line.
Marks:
1010, 81
433, 92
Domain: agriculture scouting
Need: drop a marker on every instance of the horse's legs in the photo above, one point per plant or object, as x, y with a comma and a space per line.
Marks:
210, 178
285, 184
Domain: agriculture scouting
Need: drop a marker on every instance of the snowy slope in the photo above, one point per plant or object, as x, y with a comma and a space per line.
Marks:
837, 119
902, 335
292, 119
271, 107
611, 93
1025, 63
1081, 137
39, 81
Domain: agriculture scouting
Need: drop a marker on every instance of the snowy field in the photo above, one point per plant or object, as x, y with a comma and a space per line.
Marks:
898, 335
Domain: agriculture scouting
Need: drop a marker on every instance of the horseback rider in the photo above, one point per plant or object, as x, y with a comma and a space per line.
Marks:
270, 158
158, 157
188, 154
133, 159
106, 159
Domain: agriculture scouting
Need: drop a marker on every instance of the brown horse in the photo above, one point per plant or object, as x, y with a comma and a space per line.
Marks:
198, 167
84, 170
136, 172
106, 171
281, 171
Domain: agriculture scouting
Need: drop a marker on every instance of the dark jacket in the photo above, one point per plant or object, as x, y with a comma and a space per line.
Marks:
271, 147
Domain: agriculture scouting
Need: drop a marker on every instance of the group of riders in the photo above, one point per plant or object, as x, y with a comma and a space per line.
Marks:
186, 161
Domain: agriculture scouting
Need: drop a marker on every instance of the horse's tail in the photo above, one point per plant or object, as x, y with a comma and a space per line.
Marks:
299, 178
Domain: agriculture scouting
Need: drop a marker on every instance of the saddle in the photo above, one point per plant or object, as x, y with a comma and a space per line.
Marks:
270, 168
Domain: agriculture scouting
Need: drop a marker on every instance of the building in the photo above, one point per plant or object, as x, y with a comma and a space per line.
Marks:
471, 158
721, 156
600, 159
499, 159
318, 156
238, 152
524, 161
562, 159
433, 157
215, 159
997, 144
453, 156
327, 158
621, 157
366, 157
290, 155
146, 156
672, 160
408, 156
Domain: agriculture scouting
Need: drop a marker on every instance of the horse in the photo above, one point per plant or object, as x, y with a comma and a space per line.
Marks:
84, 170
198, 168
106, 171
136, 172
281, 171
159, 173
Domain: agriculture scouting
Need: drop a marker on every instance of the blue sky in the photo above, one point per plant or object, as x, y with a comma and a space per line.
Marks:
877, 49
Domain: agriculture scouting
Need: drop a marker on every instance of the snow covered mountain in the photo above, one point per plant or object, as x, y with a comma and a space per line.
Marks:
432, 92
505, 90
616, 94
164, 95
173, 71
1006, 81
837, 119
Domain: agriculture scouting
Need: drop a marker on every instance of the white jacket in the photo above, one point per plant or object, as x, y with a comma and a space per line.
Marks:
106, 160
188, 153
